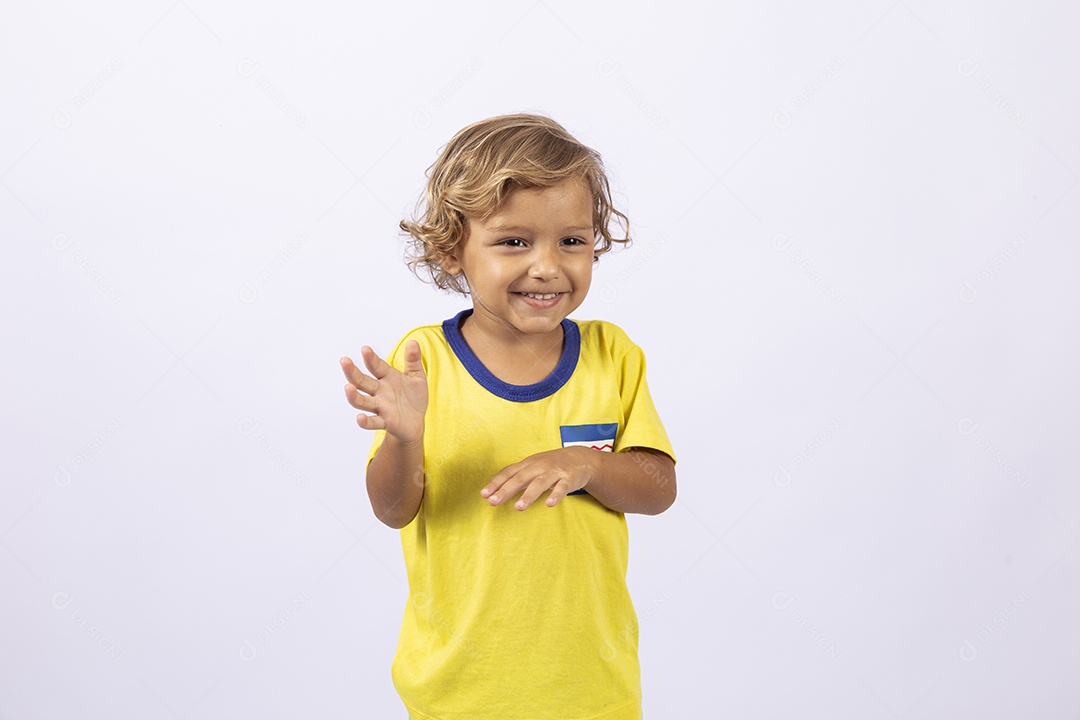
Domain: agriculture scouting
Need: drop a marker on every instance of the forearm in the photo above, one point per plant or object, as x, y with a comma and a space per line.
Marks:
395, 481
638, 480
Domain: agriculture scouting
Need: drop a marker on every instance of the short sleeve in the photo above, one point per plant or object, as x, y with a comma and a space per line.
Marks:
642, 426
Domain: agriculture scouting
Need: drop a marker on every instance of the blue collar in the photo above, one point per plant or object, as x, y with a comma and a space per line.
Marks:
517, 393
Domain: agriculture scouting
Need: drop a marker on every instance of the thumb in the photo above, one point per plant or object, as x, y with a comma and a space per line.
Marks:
413, 364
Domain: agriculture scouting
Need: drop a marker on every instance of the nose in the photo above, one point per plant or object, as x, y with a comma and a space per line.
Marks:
545, 262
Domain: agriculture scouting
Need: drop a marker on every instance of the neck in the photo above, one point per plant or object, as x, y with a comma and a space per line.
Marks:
494, 338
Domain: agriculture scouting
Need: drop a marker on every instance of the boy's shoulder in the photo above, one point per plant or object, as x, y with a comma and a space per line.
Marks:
428, 336
605, 334
432, 329
433, 332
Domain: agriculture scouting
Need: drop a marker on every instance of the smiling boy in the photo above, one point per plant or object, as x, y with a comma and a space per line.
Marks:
514, 613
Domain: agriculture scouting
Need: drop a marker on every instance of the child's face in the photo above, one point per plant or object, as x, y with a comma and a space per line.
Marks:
530, 264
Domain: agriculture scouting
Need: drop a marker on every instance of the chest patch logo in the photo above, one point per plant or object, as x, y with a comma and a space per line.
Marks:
598, 437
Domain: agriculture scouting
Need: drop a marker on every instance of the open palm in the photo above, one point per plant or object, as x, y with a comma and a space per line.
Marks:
397, 400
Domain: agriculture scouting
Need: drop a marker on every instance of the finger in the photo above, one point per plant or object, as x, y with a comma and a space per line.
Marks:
366, 403
413, 362
558, 493
370, 422
508, 489
538, 486
375, 364
361, 381
498, 481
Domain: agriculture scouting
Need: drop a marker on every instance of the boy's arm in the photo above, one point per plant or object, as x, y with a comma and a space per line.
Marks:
638, 480
397, 402
395, 481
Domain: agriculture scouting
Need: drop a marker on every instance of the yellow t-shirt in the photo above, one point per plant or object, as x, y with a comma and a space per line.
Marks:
514, 614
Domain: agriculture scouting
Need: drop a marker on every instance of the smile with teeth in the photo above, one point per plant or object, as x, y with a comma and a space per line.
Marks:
541, 296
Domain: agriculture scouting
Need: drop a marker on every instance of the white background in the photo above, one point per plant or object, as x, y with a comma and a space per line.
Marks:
854, 276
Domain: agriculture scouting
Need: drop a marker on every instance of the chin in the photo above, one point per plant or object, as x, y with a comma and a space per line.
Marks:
539, 326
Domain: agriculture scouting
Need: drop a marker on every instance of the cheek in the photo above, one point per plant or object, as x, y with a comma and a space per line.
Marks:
583, 278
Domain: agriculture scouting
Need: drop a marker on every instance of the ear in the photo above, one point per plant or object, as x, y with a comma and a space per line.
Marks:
451, 263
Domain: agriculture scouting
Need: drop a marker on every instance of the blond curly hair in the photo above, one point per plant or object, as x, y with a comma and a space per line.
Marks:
476, 170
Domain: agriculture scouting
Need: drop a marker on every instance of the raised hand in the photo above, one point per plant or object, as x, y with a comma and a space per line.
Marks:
396, 400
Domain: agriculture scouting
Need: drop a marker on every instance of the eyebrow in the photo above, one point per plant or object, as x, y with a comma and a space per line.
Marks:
518, 228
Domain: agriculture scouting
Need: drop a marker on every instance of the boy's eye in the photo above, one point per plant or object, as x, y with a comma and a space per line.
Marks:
513, 242
574, 241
